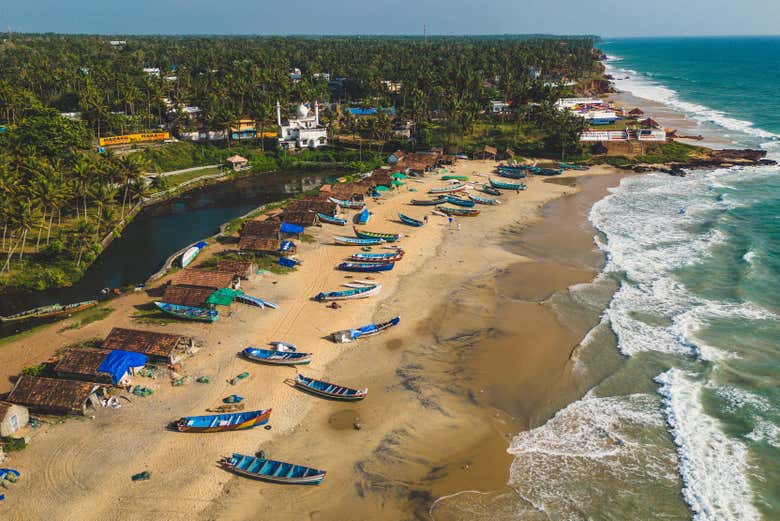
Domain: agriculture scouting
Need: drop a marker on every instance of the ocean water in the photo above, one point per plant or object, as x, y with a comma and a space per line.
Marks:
688, 425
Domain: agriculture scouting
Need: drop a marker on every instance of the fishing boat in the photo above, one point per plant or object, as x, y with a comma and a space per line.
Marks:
53, 310
329, 219
363, 217
348, 335
571, 166
448, 189
378, 257
484, 200
507, 186
353, 205
274, 357
189, 312
361, 291
458, 201
454, 178
366, 267
511, 174
427, 202
513, 167
411, 221
283, 346
329, 390
223, 422
191, 253
272, 470
387, 237
254, 301
352, 241
490, 190
461, 212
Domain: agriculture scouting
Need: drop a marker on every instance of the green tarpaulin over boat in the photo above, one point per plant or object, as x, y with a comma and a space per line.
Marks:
223, 297
399, 175
382, 188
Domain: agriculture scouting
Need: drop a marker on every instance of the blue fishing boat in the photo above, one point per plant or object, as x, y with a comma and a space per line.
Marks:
427, 202
254, 301
352, 241
458, 201
387, 237
547, 171
571, 166
490, 190
484, 200
507, 186
378, 257
366, 267
223, 422
274, 357
331, 219
363, 217
271, 470
348, 335
192, 252
362, 291
329, 390
189, 312
353, 205
512, 174
11, 475
411, 221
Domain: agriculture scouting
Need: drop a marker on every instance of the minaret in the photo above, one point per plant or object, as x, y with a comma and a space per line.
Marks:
317, 113
278, 113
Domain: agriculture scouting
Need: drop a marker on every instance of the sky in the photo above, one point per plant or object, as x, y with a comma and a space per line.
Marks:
612, 18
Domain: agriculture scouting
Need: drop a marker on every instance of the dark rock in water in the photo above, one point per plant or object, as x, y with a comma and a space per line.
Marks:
746, 154
766, 162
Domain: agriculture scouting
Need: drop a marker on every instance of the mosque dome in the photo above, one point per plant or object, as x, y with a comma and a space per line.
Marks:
303, 111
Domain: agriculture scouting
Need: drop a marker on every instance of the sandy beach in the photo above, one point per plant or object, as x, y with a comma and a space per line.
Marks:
468, 367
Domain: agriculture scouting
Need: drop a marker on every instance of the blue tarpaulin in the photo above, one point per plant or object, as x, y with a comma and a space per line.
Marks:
288, 263
287, 245
117, 363
291, 228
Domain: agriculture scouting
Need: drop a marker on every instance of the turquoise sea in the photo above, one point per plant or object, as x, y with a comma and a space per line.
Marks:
687, 424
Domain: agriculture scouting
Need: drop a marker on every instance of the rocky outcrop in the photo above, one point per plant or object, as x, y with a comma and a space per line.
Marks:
738, 155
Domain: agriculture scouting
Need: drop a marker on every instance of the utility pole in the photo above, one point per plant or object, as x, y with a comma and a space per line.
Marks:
425, 33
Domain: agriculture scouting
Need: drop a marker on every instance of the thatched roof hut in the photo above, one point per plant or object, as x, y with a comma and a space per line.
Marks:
263, 228
162, 347
184, 296
299, 218
636, 113
312, 205
51, 395
650, 122
237, 268
486, 152
200, 278
83, 364
259, 245
12, 418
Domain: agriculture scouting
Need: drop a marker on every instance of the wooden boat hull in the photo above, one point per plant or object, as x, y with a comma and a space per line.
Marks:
337, 392
352, 205
281, 358
484, 200
490, 190
188, 312
457, 201
507, 186
352, 241
259, 419
362, 292
512, 175
364, 216
366, 267
331, 220
387, 237
460, 212
297, 474
447, 189
54, 310
350, 335
410, 220
377, 257
431, 202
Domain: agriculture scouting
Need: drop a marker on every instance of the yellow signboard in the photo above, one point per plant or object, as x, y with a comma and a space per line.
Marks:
133, 138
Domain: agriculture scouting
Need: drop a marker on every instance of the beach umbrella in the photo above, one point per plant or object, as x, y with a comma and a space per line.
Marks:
382, 188
396, 182
399, 175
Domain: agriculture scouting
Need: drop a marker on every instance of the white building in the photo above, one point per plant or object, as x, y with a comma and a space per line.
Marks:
302, 131
500, 107
152, 71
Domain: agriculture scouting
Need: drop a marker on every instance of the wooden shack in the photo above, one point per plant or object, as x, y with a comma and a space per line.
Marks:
486, 152
54, 396
241, 269
199, 278
184, 296
265, 228
312, 205
83, 364
299, 218
12, 418
260, 245
159, 347
237, 163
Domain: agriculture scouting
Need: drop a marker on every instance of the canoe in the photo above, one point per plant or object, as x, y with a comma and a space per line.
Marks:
362, 291
329, 390
53, 310
507, 186
366, 267
354, 205
352, 241
515, 168
223, 422
462, 212
274, 357
272, 470
254, 301
330, 219
378, 257
490, 190
547, 171
512, 175
458, 201
283, 346
189, 312
454, 178
363, 217
484, 200
427, 202
447, 189
572, 166
411, 221
387, 237
348, 335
